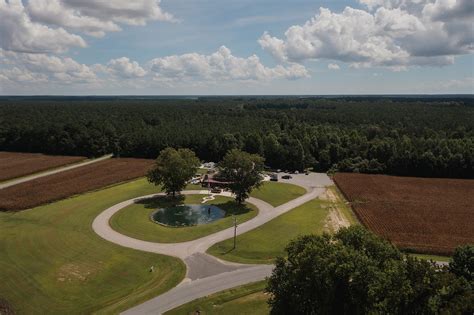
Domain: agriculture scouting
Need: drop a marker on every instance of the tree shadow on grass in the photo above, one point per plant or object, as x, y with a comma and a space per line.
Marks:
161, 201
232, 207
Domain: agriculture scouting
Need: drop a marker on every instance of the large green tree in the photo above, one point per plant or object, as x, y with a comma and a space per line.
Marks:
462, 263
244, 172
173, 168
356, 272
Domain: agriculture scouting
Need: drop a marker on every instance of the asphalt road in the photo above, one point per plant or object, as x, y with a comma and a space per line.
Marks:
206, 274
189, 291
51, 172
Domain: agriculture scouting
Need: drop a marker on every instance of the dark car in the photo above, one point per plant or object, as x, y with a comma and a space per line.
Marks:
216, 190
286, 177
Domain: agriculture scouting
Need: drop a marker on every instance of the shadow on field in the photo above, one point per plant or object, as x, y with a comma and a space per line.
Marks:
230, 207
161, 201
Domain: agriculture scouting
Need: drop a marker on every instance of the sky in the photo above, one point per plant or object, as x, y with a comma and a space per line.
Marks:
227, 47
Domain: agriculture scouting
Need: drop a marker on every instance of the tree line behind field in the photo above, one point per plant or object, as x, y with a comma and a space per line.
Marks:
400, 136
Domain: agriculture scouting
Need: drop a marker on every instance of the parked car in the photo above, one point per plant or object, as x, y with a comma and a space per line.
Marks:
274, 177
216, 190
287, 177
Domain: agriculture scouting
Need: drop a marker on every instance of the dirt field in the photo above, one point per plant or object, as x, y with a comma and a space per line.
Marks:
13, 165
5, 308
419, 214
65, 184
336, 218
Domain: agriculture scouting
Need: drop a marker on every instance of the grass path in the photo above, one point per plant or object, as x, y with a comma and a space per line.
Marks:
134, 220
276, 193
52, 262
268, 241
244, 300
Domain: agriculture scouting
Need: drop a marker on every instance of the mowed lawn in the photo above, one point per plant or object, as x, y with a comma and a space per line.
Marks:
268, 241
244, 300
51, 262
135, 221
276, 193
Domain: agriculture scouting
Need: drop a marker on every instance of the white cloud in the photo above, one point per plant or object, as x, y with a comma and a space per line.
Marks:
333, 66
392, 33
53, 12
221, 65
19, 33
125, 68
96, 17
41, 68
191, 70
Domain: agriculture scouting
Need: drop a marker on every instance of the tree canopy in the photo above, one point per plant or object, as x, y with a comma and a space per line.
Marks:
429, 137
173, 169
244, 172
356, 272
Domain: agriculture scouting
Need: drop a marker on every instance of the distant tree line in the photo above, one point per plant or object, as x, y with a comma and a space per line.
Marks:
430, 137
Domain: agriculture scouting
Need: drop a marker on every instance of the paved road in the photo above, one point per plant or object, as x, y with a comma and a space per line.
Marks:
206, 274
185, 249
189, 291
51, 172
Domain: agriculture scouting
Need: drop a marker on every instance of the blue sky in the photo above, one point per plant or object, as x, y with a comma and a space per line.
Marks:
354, 47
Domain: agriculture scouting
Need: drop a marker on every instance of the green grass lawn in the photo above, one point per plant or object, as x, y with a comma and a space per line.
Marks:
276, 193
135, 221
51, 262
264, 243
431, 257
244, 300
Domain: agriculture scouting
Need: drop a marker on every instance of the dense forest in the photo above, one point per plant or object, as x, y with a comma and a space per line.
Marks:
431, 137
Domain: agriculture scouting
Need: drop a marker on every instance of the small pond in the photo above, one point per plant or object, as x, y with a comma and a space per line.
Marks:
187, 215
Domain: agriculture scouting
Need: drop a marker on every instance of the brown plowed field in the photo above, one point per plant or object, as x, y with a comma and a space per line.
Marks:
68, 183
13, 164
427, 215
5, 308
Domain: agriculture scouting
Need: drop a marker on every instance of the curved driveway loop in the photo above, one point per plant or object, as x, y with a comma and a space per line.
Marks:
207, 274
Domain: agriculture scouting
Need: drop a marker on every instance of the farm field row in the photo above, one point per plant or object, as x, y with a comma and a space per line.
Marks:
14, 164
425, 215
71, 182
53, 263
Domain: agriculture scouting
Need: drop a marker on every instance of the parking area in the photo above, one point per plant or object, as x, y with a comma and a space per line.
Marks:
308, 181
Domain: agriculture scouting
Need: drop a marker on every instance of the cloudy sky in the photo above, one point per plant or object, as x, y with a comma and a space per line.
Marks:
98, 47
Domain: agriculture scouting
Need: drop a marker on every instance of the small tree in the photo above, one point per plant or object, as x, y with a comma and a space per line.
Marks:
244, 172
173, 168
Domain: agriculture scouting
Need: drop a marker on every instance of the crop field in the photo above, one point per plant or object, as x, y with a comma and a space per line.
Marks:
426, 215
68, 183
13, 164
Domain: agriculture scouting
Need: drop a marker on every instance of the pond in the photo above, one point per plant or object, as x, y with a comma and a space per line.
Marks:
187, 215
